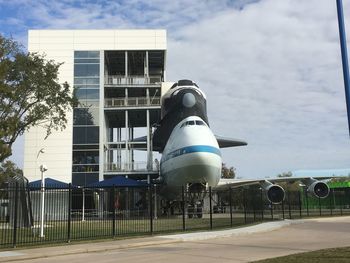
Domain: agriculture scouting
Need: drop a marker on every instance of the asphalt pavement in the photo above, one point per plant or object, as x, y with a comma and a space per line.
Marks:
244, 244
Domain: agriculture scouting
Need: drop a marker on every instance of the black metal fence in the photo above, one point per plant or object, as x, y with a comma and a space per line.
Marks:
93, 213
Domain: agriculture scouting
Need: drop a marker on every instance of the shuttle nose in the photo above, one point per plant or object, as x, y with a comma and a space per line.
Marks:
188, 100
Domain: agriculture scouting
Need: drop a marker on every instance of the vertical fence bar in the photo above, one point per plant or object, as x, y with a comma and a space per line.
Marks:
283, 209
210, 208
289, 206
150, 209
307, 203
244, 207
331, 198
69, 212
231, 219
271, 210
262, 205
299, 200
341, 206
114, 211
319, 205
14, 243
183, 209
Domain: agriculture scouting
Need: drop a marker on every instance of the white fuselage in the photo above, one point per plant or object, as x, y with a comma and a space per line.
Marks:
191, 155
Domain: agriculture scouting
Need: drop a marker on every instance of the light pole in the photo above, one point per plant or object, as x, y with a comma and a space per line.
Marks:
43, 169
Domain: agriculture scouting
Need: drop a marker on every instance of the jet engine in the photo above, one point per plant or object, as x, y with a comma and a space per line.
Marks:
318, 189
275, 193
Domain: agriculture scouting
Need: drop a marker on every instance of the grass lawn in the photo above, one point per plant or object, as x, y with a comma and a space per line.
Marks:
340, 255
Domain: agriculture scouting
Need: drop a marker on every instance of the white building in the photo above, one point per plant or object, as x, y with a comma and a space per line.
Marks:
118, 75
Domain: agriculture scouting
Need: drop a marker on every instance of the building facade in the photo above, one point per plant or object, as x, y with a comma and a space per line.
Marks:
119, 77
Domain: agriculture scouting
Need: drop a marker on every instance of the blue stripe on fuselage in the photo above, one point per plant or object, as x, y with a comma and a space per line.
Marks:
192, 149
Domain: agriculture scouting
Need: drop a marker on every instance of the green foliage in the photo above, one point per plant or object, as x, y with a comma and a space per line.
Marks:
30, 95
228, 173
9, 169
287, 174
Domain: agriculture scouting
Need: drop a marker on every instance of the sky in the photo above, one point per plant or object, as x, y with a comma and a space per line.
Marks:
271, 69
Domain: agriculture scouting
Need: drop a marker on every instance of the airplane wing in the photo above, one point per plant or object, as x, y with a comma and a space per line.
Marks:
275, 193
229, 142
233, 183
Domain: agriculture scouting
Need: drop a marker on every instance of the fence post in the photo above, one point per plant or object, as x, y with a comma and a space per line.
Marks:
319, 205
150, 209
271, 210
114, 211
262, 205
307, 203
330, 202
289, 207
244, 207
283, 209
341, 206
231, 207
15, 217
299, 197
69, 212
183, 209
211, 208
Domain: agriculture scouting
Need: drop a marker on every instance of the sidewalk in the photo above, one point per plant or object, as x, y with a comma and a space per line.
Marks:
102, 246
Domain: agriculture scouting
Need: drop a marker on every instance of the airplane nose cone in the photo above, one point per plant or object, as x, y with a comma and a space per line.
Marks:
188, 100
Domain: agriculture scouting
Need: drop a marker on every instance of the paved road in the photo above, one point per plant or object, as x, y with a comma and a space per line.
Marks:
241, 246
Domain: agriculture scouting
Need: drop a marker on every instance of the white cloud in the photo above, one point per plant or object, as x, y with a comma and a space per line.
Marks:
271, 70
272, 73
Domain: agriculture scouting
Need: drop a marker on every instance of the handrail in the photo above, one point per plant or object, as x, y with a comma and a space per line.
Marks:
132, 102
132, 80
129, 167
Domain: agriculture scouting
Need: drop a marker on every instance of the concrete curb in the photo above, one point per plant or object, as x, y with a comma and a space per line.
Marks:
30, 254
260, 228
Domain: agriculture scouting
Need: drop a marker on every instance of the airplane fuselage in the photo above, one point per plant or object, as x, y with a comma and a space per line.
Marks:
190, 151
191, 155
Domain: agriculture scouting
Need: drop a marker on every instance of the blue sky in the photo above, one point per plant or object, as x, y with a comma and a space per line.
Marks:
271, 69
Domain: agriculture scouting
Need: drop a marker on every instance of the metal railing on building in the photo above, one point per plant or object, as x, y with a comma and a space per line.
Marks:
132, 102
130, 167
132, 80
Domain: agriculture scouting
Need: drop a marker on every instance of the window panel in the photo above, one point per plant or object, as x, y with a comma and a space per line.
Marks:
86, 81
87, 54
84, 179
86, 116
85, 135
86, 70
86, 60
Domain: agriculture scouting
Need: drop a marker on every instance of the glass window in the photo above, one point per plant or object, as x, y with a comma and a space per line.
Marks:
200, 123
86, 70
87, 54
84, 179
85, 135
191, 123
84, 94
86, 60
86, 81
85, 157
86, 86
86, 116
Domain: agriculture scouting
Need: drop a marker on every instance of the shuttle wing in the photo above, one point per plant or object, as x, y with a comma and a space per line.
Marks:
229, 142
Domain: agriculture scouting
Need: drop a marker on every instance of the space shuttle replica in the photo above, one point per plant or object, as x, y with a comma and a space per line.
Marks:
191, 154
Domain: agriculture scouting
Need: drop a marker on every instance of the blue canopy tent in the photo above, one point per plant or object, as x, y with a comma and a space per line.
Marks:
118, 181
49, 183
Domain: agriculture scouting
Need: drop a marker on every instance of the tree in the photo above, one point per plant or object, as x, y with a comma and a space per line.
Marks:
288, 185
9, 169
228, 173
30, 94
